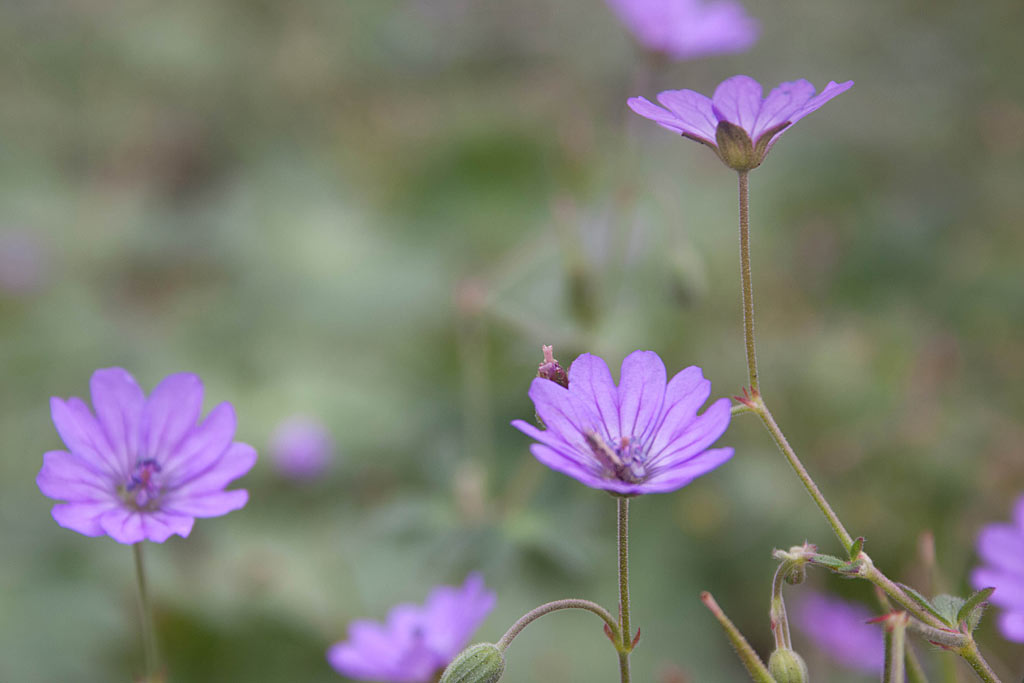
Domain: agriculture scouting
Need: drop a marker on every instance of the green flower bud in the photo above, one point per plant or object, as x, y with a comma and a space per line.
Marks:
480, 663
786, 666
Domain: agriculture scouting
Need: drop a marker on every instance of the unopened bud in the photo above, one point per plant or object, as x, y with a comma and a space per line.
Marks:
786, 666
796, 574
550, 369
480, 663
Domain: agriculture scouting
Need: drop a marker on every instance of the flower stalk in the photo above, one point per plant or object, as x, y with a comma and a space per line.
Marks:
547, 608
149, 645
753, 664
895, 647
625, 644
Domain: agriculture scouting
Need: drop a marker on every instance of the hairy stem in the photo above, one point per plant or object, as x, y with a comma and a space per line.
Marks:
548, 608
972, 656
755, 667
625, 635
746, 284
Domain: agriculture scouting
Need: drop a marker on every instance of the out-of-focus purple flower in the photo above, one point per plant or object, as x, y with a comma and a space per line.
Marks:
417, 641
1001, 547
841, 630
737, 122
143, 468
643, 436
301, 447
24, 262
687, 29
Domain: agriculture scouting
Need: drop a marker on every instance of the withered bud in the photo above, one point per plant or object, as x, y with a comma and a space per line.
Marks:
550, 369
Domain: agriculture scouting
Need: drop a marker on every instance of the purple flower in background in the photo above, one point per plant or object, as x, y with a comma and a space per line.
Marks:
24, 262
686, 29
736, 122
1001, 547
143, 469
417, 641
301, 447
643, 436
841, 630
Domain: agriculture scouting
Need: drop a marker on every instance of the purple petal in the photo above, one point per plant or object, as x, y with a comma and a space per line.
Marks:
118, 402
124, 526
641, 393
1018, 513
549, 437
235, 462
202, 448
649, 110
684, 395
815, 103
700, 434
564, 413
65, 476
692, 111
83, 435
82, 517
1011, 624
738, 100
1002, 546
454, 614
171, 411
782, 103
591, 381
673, 478
571, 462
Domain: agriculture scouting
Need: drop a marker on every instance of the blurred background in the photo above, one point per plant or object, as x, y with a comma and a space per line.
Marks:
368, 215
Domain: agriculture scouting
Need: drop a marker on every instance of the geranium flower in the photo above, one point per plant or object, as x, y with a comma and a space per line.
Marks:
687, 29
301, 447
418, 641
1001, 547
644, 436
142, 469
841, 630
736, 122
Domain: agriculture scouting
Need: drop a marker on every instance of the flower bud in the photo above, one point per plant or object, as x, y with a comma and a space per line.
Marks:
550, 369
786, 666
480, 663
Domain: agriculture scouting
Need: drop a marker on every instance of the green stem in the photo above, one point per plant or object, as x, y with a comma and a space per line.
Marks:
547, 608
146, 617
780, 624
625, 634
746, 284
753, 664
895, 648
973, 657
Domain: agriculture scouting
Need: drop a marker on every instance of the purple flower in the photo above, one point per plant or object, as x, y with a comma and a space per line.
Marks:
643, 436
301, 447
687, 29
142, 469
841, 630
418, 641
1001, 547
737, 123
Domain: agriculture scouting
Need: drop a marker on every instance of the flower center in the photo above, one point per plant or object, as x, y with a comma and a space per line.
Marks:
624, 461
143, 487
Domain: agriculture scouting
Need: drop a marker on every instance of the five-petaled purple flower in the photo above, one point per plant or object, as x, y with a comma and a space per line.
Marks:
643, 436
687, 29
1001, 547
736, 122
417, 641
143, 469
841, 630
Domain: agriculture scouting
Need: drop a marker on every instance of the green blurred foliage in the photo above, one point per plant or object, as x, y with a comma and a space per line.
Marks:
375, 212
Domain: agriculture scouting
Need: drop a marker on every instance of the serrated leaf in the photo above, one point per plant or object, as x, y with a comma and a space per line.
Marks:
949, 607
925, 603
973, 608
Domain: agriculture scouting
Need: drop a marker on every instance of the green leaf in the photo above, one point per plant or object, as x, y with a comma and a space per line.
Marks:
973, 608
949, 607
857, 546
925, 603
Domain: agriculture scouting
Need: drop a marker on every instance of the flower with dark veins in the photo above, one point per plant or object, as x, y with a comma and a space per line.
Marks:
642, 436
143, 468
